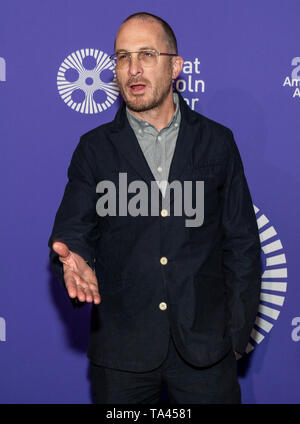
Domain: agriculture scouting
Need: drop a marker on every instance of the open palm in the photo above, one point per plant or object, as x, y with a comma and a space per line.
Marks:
80, 280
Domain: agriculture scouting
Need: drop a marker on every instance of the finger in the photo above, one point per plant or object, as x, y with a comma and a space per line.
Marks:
71, 284
88, 293
61, 249
95, 293
82, 288
81, 293
72, 290
97, 299
91, 293
96, 296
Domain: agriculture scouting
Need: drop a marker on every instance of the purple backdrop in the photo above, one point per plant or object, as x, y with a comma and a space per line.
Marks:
241, 69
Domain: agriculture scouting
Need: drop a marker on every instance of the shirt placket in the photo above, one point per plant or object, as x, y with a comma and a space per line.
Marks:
160, 161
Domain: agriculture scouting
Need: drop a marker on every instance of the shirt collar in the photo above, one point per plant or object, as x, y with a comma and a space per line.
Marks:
140, 124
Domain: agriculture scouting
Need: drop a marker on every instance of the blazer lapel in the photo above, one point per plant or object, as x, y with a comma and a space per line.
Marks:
185, 140
125, 141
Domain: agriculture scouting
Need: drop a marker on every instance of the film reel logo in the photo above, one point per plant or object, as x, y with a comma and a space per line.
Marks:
274, 281
86, 81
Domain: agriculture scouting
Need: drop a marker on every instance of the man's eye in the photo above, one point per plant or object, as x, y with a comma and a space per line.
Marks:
148, 54
122, 56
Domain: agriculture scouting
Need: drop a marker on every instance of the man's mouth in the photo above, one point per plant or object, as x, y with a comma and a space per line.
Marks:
137, 88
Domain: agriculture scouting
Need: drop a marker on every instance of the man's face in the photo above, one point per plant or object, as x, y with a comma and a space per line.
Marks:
143, 88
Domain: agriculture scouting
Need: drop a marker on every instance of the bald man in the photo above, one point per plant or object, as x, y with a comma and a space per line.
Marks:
173, 302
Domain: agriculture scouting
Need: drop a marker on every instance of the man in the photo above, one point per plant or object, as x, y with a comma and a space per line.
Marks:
171, 302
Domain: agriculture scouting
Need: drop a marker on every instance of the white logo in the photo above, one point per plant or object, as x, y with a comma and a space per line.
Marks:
296, 331
274, 281
2, 330
86, 81
294, 80
2, 69
189, 84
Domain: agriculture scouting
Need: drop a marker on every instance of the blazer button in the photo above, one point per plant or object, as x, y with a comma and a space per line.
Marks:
162, 306
164, 212
163, 260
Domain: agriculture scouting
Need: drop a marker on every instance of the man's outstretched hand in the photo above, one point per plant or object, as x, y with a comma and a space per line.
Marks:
80, 280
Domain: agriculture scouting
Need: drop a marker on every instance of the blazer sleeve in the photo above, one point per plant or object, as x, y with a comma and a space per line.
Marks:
75, 222
241, 251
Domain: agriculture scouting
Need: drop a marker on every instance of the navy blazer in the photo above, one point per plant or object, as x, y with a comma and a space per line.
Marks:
211, 281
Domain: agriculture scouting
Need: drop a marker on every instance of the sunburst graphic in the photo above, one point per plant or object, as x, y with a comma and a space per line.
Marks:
274, 281
81, 81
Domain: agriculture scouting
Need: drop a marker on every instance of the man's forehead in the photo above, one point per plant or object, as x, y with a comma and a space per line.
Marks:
139, 31
146, 47
138, 22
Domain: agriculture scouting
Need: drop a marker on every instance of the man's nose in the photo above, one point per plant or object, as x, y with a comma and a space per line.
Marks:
135, 66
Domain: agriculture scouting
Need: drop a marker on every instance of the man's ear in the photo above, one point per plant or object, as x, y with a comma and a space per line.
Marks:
177, 64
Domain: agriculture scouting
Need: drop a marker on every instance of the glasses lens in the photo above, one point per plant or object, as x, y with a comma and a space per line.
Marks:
148, 57
122, 59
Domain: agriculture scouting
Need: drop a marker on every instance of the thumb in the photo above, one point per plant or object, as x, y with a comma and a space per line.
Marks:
61, 249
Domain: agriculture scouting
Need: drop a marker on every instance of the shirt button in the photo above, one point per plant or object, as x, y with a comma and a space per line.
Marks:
159, 138
140, 131
164, 212
176, 125
163, 260
162, 306
159, 169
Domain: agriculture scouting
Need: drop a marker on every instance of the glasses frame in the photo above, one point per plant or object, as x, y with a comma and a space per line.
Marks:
113, 57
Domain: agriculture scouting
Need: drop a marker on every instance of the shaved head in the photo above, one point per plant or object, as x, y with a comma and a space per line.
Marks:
168, 34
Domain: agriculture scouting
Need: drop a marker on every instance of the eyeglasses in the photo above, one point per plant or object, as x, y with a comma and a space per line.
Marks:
147, 57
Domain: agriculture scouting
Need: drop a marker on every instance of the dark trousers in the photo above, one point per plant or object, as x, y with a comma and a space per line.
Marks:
185, 383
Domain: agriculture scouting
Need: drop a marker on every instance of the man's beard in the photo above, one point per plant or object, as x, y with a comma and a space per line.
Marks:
158, 97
